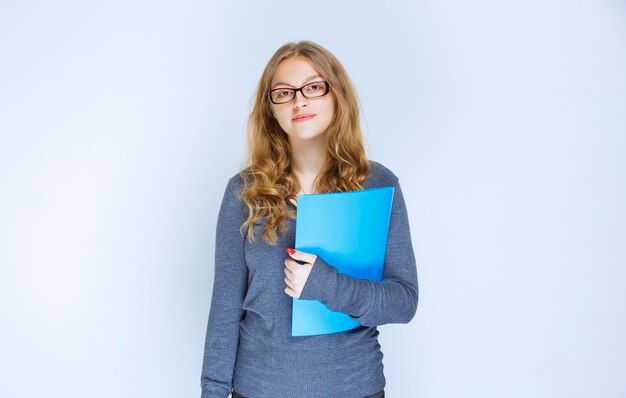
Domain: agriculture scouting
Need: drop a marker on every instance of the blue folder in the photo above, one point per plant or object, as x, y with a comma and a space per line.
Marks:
348, 230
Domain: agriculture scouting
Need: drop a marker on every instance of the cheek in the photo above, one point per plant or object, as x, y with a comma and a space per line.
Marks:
330, 110
332, 104
281, 117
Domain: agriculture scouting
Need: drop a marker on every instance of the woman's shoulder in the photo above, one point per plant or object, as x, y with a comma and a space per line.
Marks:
238, 177
235, 183
380, 175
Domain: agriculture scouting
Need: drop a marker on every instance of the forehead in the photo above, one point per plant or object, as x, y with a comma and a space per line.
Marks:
294, 71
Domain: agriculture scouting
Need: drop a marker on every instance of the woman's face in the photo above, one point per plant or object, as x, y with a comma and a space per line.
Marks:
295, 72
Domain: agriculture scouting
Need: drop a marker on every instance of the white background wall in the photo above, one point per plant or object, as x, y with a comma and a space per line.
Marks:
121, 122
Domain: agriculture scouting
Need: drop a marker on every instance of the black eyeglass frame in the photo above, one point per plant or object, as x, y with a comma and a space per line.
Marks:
295, 90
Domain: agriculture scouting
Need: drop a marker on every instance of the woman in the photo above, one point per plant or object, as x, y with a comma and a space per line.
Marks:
304, 137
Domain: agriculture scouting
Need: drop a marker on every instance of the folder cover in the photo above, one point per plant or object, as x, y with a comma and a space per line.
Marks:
348, 230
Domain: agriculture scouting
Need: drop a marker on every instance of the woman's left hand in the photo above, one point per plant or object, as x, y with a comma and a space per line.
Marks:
296, 274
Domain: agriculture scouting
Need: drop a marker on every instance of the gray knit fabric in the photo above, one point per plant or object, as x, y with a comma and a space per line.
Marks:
249, 347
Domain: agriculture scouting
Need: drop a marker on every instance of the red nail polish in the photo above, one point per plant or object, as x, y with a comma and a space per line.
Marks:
290, 250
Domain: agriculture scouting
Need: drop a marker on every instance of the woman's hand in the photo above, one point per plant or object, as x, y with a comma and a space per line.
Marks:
296, 274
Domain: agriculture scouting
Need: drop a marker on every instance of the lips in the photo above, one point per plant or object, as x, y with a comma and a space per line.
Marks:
302, 117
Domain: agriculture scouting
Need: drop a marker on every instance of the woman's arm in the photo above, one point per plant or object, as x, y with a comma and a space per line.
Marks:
229, 289
392, 300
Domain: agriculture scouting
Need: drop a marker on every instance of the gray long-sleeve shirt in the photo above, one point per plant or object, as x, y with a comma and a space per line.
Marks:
249, 347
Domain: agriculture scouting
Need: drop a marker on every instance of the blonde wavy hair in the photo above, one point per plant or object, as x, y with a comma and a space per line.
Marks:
268, 179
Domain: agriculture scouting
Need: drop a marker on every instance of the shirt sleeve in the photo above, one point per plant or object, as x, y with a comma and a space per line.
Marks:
229, 289
373, 303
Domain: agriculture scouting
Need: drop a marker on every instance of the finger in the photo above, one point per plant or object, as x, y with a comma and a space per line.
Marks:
288, 265
292, 265
289, 283
290, 292
301, 256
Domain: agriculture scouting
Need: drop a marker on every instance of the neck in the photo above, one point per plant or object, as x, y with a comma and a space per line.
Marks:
308, 157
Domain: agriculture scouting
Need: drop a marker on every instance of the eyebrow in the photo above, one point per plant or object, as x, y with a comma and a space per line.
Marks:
305, 80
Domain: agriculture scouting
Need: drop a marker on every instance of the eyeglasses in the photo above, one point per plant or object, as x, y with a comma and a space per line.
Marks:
309, 90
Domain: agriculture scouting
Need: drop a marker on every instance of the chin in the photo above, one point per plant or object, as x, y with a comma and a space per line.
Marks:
306, 135
310, 132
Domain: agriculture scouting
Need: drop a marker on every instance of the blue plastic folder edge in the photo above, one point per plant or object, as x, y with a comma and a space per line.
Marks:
349, 231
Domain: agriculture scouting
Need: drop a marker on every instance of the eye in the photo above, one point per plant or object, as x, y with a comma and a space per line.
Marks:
282, 93
316, 87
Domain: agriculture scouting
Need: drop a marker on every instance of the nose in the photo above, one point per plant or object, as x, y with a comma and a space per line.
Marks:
300, 100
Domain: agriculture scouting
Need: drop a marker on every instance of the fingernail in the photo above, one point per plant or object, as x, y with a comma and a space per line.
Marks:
290, 250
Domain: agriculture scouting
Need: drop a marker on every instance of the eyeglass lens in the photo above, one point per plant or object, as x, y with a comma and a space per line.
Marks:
311, 90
